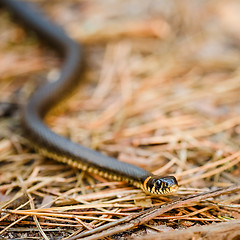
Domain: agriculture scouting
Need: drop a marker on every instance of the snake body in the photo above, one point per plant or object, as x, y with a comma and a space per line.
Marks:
54, 146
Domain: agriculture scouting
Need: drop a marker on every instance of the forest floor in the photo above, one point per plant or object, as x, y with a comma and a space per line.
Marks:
160, 90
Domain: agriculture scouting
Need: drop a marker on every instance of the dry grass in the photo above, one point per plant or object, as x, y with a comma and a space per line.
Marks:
159, 92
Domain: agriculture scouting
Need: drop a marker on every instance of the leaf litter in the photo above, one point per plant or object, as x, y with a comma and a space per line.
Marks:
159, 90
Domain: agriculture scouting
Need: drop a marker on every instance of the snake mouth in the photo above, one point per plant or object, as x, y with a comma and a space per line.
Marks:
173, 188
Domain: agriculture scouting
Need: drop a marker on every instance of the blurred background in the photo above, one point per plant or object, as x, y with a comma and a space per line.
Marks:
160, 90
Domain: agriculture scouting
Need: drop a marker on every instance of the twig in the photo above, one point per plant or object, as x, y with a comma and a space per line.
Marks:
135, 220
33, 207
12, 224
220, 231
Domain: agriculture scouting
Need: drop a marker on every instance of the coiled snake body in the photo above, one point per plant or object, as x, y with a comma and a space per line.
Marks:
51, 145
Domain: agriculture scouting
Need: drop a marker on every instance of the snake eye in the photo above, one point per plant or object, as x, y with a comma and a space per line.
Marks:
158, 183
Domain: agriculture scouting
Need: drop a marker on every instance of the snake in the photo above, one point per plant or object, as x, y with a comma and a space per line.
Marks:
54, 146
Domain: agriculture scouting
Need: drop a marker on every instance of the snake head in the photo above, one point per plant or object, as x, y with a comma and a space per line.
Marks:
156, 185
